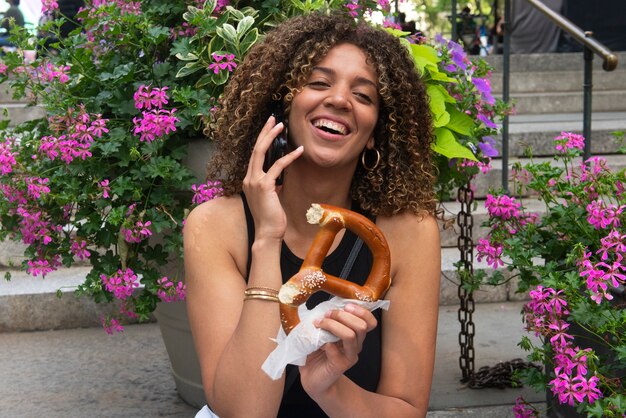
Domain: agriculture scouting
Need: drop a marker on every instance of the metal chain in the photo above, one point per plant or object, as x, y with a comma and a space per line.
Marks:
501, 375
465, 221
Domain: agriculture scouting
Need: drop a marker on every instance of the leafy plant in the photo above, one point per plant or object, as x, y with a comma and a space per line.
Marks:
570, 261
101, 177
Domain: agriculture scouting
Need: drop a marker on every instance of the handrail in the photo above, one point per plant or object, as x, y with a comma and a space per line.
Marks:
609, 59
590, 47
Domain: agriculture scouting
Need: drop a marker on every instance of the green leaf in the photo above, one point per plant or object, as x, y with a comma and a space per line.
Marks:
447, 145
244, 26
228, 33
437, 104
248, 41
189, 68
459, 122
189, 56
158, 33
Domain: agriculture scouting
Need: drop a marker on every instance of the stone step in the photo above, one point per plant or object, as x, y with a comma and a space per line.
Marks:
18, 113
559, 81
539, 130
493, 179
31, 303
564, 102
449, 233
568, 61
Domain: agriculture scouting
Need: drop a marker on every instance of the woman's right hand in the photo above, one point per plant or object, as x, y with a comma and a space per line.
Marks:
260, 186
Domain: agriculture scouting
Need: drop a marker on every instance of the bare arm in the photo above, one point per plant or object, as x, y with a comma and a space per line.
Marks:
233, 336
409, 331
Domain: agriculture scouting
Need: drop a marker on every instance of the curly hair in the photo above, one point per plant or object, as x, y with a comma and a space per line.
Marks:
278, 66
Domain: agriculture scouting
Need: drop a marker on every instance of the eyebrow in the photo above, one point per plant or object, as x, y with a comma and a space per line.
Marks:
359, 79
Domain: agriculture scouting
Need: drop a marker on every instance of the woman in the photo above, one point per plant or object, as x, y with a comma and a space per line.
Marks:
359, 135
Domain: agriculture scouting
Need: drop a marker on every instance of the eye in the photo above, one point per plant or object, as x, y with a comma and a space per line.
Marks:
363, 96
318, 84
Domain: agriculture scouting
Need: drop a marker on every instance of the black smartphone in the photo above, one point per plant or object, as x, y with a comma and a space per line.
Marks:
278, 148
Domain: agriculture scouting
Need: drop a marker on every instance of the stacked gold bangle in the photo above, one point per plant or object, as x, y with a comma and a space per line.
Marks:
262, 293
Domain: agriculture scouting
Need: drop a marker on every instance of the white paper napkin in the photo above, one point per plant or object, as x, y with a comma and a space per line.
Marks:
305, 338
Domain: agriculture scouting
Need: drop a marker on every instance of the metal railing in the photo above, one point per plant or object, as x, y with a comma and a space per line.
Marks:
590, 46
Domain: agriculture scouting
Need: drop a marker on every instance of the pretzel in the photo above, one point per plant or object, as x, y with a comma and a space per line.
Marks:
311, 278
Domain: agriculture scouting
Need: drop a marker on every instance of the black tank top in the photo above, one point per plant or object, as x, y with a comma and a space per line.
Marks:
366, 372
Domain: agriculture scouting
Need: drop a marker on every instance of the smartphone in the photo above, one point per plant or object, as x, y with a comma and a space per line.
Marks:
278, 148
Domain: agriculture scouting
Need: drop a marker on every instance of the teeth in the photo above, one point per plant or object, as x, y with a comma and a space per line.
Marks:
329, 124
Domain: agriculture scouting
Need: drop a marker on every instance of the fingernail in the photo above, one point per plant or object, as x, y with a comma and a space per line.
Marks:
300, 148
317, 322
350, 307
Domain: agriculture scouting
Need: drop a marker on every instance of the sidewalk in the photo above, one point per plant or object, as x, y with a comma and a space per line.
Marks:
87, 373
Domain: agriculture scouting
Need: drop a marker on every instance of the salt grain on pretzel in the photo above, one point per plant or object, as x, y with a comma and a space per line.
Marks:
311, 278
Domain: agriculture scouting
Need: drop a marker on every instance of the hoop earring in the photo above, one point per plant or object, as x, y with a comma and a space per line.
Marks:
364, 164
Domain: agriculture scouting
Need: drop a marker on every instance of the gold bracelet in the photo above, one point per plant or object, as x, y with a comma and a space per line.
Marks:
261, 291
260, 296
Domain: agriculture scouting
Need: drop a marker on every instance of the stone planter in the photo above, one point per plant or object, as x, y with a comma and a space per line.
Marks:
174, 325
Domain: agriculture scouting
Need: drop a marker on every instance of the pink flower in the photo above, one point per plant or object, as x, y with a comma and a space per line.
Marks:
569, 140
155, 124
142, 97
148, 98
138, 233
169, 291
79, 249
523, 409
229, 64
586, 388
37, 267
602, 215
206, 191
492, 253
111, 325
7, 156
562, 386
104, 186
503, 207
3, 68
120, 284
48, 6
559, 337
37, 186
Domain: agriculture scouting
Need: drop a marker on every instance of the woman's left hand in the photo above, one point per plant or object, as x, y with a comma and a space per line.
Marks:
326, 365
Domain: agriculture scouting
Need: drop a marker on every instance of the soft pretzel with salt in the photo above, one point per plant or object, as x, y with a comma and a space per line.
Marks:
311, 278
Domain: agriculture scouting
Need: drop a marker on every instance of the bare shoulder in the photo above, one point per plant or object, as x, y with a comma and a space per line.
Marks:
413, 239
218, 211
218, 225
409, 227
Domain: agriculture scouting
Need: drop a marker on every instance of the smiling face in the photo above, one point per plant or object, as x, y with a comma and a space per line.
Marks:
334, 113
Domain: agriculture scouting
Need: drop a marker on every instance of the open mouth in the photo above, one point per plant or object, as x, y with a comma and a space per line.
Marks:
331, 127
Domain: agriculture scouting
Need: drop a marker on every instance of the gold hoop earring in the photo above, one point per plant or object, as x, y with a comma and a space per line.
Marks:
364, 164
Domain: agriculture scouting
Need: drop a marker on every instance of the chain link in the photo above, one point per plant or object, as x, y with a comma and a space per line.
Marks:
465, 243
501, 375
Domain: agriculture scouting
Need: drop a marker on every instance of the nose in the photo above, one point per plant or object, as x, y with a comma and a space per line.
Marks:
338, 97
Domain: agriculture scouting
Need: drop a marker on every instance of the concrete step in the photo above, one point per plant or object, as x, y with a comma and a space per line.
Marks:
559, 81
450, 232
30, 303
493, 180
568, 101
569, 61
539, 130
18, 113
